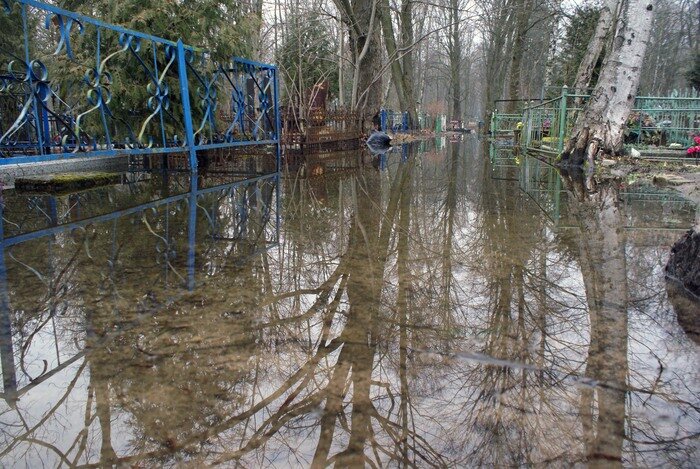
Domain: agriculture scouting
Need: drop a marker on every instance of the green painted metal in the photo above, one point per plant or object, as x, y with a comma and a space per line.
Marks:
562, 118
655, 121
504, 124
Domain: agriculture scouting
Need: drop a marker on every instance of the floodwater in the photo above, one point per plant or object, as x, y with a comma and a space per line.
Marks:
441, 306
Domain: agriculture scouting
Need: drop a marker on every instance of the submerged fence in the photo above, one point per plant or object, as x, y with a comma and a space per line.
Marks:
655, 122
88, 88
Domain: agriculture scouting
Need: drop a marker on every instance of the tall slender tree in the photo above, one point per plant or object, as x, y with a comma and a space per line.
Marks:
595, 45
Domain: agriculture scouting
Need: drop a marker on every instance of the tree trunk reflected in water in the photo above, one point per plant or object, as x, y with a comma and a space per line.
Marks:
602, 246
430, 313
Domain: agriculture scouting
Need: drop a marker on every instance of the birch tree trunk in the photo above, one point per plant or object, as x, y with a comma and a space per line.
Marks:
595, 46
599, 128
602, 247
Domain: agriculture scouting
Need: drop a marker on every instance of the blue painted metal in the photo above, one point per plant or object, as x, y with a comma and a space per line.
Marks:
393, 121
192, 232
82, 117
383, 119
185, 97
53, 230
93, 21
13, 388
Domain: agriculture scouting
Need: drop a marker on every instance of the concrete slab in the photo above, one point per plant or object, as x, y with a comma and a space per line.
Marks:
66, 182
9, 173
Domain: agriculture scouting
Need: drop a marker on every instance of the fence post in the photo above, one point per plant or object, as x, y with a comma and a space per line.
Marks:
527, 124
186, 111
278, 121
562, 118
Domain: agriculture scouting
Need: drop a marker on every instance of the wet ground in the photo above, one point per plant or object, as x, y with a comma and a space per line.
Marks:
442, 306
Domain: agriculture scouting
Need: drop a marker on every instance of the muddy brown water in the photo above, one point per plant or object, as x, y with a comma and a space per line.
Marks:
433, 307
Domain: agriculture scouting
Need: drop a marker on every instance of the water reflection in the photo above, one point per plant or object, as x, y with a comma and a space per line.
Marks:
435, 309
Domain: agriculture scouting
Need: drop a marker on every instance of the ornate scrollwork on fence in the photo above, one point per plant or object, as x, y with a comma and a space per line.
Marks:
159, 91
64, 25
102, 108
206, 94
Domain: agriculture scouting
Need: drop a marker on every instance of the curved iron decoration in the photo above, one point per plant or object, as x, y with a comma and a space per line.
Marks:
64, 25
159, 90
56, 129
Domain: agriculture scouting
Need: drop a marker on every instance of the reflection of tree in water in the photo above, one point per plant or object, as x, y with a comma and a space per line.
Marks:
602, 256
198, 377
617, 411
314, 353
521, 324
185, 367
521, 395
87, 288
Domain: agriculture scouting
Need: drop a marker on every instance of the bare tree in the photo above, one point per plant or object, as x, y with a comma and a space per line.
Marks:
599, 128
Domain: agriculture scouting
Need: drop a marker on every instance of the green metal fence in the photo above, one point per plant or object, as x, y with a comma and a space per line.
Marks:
664, 120
503, 125
547, 124
655, 123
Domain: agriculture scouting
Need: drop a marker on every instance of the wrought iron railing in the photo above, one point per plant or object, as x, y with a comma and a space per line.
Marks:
546, 124
94, 89
664, 120
321, 130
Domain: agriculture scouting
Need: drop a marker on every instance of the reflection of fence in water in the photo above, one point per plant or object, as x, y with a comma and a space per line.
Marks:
306, 165
236, 219
542, 183
505, 163
646, 207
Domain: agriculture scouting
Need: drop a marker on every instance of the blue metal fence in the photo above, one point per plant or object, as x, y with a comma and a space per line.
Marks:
391, 121
103, 90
